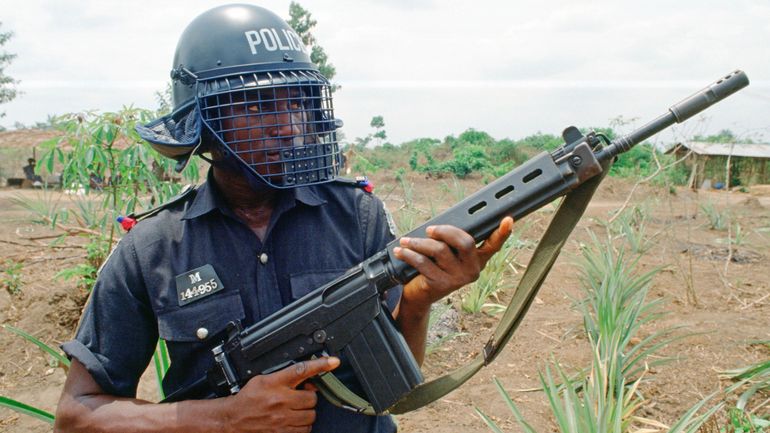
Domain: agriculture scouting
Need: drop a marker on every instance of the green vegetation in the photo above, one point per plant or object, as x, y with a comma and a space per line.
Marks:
26, 409
737, 236
59, 359
7, 84
378, 123
85, 273
302, 22
751, 381
723, 136
110, 171
631, 225
740, 421
718, 219
497, 271
162, 362
10, 279
477, 153
608, 395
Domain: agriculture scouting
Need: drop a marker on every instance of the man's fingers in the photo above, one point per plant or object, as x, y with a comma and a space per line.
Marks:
304, 399
496, 240
445, 244
437, 250
424, 265
294, 375
300, 420
453, 236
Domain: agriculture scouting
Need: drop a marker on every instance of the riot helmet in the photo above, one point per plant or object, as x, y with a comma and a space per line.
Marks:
244, 88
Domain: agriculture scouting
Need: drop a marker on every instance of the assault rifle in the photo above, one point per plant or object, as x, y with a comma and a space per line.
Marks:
346, 316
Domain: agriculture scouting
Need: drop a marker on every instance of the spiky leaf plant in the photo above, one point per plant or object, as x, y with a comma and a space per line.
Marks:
606, 397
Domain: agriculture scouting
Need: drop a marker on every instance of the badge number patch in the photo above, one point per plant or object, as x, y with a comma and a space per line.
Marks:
197, 284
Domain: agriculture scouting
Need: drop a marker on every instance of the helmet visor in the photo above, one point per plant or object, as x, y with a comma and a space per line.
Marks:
279, 124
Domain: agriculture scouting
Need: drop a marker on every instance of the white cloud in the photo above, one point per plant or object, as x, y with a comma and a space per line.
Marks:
92, 51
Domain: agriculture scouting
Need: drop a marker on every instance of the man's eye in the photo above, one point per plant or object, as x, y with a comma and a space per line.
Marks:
264, 107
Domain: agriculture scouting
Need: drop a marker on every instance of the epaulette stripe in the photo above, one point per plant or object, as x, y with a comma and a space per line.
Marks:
361, 182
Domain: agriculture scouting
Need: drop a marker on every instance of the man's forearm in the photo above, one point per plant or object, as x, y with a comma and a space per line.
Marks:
105, 413
413, 321
84, 407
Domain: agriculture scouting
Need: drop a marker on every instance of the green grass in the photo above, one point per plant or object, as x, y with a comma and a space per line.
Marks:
632, 226
750, 381
162, 362
60, 358
718, 219
61, 361
476, 298
10, 277
26, 409
606, 396
740, 421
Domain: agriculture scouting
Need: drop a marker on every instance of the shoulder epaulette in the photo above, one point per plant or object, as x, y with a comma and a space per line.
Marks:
128, 222
362, 182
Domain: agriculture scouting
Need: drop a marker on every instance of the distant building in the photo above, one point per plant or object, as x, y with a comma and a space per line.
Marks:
749, 163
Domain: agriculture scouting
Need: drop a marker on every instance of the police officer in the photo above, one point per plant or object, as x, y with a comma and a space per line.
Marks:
269, 224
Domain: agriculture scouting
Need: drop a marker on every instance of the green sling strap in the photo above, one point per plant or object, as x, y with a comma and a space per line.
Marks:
564, 221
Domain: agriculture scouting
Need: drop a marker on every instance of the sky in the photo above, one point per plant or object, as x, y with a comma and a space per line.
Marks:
431, 68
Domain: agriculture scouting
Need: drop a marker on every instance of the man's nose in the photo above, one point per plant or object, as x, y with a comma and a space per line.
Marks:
287, 124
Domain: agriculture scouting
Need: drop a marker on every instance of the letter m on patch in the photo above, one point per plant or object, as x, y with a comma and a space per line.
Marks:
194, 278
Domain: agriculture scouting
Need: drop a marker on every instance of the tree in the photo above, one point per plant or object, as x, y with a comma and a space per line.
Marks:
301, 20
7, 90
724, 136
378, 123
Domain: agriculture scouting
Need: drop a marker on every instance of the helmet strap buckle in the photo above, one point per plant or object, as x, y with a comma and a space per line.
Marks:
184, 75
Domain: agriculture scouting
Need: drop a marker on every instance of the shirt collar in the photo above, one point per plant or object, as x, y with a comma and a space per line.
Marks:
209, 198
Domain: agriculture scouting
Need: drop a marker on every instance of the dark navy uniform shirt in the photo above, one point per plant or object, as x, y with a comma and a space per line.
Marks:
315, 234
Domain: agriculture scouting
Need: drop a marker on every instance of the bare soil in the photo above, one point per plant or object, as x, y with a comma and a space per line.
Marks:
728, 315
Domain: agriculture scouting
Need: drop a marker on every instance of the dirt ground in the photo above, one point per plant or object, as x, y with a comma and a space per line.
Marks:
730, 316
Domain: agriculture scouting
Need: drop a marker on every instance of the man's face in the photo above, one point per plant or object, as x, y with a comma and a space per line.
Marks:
259, 124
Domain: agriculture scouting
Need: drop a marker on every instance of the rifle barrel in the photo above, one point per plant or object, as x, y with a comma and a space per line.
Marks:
679, 112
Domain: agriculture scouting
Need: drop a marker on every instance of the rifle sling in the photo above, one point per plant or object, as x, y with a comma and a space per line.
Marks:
564, 221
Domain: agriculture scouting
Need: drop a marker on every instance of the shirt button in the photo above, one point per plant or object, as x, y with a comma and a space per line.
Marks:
202, 333
263, 258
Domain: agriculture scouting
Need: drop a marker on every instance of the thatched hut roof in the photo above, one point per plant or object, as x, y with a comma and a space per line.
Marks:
755, 150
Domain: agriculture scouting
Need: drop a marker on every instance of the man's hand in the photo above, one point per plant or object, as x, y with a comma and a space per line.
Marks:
447, 260
272, 402
268, 403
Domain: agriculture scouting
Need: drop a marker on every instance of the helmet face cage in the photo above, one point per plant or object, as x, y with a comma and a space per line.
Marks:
278, 124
